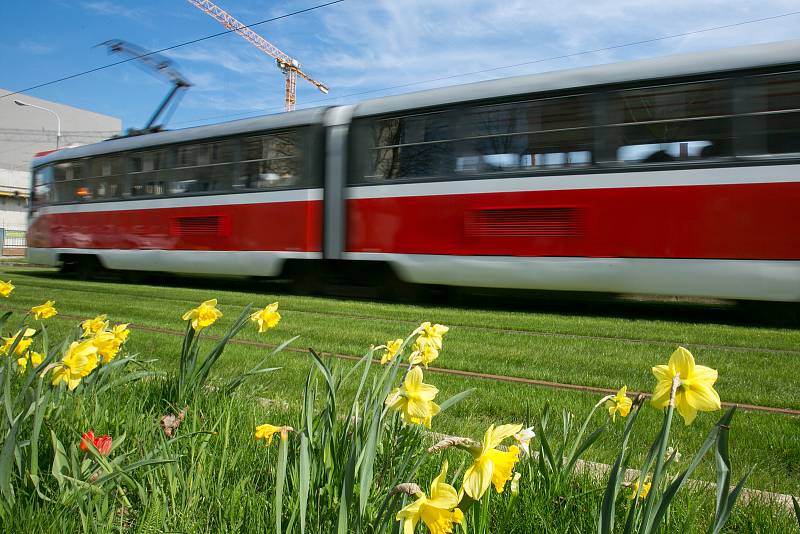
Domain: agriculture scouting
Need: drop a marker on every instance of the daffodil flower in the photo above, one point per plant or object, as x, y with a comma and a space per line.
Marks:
266, 431
695, 391
44, 311
204, 315
24, 342
439, 512
635, 489
492, 466
34, 357
121, 332
6, 288
423, 354
523, 438
392, 347
107, 345
266, 318
79, 361
619, 404
414, 400
93, 326
431, 335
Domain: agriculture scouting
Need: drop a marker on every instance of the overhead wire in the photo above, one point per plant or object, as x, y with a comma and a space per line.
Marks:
172, 47
394, 87
514, 65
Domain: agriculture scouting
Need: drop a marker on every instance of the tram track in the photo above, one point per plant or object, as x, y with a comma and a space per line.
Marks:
452, 372
495, 330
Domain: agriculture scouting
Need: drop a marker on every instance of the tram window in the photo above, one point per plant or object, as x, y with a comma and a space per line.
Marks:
60, 171
42, 186
106, 166
682, 122
771, 123
485, 139
72, 170
148, 161
270, 161
147, 173
107, 188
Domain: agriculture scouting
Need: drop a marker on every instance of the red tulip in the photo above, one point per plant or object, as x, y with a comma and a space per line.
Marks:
88, 437
101, 443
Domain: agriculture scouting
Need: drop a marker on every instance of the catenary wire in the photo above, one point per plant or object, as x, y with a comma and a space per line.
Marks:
185, 43
492, 69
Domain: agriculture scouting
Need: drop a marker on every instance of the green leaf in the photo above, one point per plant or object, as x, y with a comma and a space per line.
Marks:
368, 460
280, 481
346, 497
455, 399
577, 453
305, 479
681, 479
719, 523
605, 524
6, 458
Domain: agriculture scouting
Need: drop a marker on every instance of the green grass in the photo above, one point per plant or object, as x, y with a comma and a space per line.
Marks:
756, 364
234, 494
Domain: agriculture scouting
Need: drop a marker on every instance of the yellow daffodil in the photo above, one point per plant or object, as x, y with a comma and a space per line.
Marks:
635, 488
439, 512
79, 361
44, 311
492, 466
523, 439
423, 354
121, 332
6, 288
695, 391
107, 345
431, 335
515, 483
266, 318
619, 404
24, 342
204, 315
34, 357
391, 350
93, 326
266, 432
414, 399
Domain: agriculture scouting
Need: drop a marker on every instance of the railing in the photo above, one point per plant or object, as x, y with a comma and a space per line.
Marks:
14, 241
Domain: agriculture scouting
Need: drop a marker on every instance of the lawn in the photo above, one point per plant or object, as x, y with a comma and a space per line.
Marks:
756, 363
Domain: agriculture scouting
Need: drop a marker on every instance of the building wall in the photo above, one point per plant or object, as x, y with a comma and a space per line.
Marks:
25, 131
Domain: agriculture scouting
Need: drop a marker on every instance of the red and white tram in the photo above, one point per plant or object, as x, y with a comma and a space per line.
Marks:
678, 175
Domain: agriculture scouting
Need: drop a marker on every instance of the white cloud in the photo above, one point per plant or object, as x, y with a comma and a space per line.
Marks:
104, 7
35, 47
365, 45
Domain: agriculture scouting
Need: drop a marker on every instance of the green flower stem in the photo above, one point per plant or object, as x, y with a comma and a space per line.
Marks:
647, 518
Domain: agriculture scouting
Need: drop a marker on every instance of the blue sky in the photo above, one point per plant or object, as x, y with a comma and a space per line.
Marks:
355, 46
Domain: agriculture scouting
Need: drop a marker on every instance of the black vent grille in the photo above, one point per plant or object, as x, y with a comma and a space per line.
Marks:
532, 222
198, 226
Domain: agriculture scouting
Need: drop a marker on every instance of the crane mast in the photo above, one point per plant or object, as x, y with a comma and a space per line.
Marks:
288, 65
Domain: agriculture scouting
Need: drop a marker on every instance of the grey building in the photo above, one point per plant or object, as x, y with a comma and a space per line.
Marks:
26, 130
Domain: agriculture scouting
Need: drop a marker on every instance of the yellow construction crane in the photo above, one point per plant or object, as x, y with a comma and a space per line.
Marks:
288, 65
